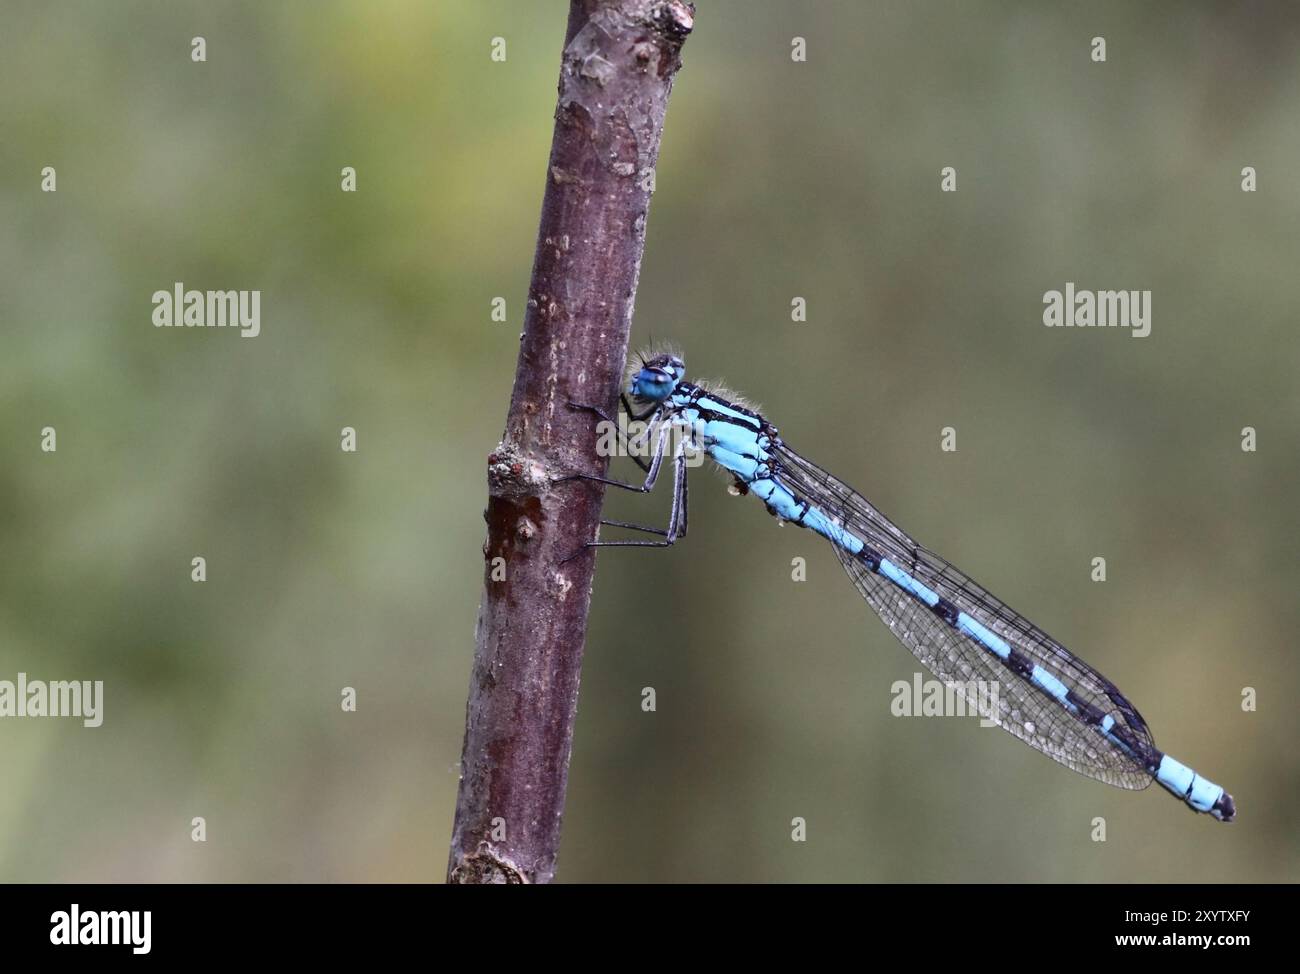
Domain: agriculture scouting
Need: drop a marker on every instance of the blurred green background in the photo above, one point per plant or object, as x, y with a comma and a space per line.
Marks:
777, 179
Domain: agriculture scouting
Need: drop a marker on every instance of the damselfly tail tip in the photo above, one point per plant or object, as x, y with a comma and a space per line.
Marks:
1199, 793
1225, 809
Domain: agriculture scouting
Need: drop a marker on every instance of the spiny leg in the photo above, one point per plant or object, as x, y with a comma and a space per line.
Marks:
652, 471
634, 527
624, 439
676, 519
650, 410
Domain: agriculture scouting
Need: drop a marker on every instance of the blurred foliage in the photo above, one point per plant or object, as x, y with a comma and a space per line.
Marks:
776, 179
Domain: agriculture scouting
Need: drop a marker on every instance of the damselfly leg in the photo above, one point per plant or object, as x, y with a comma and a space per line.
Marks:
660, 432
624, 439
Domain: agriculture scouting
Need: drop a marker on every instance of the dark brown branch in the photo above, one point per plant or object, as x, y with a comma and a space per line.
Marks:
619, 60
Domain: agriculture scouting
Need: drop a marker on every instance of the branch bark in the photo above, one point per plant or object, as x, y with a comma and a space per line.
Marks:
616, 73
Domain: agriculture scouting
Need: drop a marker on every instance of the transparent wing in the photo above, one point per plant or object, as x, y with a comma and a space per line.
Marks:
1022, 708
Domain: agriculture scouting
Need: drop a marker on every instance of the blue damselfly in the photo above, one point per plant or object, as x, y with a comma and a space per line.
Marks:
1049, 698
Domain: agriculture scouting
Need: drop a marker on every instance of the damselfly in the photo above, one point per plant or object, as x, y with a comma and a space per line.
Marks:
1048, 697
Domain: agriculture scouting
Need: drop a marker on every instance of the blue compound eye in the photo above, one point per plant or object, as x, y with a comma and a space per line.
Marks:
658, 377
650, 385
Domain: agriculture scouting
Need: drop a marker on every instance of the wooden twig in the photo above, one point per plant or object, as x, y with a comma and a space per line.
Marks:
616, 73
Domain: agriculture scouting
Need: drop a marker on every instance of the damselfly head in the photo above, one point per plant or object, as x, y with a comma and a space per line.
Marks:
656, 379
